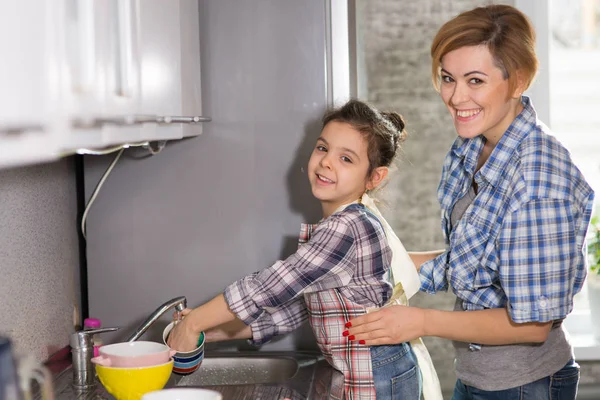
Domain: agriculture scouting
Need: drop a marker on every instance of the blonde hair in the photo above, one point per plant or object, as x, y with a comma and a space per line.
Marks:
505, 31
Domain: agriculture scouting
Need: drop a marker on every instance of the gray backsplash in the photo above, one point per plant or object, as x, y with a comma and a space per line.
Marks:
38, 256
395, 37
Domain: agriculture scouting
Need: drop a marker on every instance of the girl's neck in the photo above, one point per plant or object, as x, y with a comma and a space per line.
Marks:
330, 208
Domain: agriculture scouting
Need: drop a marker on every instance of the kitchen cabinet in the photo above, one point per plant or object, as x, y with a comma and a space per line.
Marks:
85, 74
29, 81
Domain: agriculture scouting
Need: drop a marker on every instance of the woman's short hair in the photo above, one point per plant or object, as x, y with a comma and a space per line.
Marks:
507, 33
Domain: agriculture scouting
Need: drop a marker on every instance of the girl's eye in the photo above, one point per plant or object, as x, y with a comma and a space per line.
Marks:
475, 81
346, 159
447, 79
321, 147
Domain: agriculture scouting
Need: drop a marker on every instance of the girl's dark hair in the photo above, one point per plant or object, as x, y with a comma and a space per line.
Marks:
384, 131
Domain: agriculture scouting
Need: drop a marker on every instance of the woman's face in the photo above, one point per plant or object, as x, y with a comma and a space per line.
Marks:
476, 94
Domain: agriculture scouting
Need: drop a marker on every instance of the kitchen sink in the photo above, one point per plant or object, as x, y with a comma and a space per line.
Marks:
262, 375
243, 370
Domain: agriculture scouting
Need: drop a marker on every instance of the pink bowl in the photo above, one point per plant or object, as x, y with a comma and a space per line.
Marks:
133, 354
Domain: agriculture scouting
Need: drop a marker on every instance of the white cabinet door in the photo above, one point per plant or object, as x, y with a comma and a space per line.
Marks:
191, 88
122, 71
28, 82
101, 86
160, 62
85, 38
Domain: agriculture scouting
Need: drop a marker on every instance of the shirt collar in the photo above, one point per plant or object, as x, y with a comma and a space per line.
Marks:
469, 149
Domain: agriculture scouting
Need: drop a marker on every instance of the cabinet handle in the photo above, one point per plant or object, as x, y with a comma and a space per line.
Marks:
125, 120
128, 120
182, 120
16, 130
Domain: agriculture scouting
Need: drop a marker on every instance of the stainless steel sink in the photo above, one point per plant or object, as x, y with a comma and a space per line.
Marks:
244, 370
262, 375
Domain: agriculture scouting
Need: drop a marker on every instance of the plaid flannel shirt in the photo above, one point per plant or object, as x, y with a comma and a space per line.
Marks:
339, 270
521, 243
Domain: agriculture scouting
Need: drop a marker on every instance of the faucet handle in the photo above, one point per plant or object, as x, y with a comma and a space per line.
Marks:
83, 339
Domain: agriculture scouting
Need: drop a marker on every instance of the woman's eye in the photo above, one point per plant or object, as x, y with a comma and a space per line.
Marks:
321, 148
475, 81
447, 79
346, 159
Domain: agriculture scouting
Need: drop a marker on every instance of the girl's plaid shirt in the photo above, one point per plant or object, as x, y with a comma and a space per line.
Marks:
339, 270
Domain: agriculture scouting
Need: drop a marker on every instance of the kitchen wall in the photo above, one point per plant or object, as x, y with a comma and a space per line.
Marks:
395, 74
39, 256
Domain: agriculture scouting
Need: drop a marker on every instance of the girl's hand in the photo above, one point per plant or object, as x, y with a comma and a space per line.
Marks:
182, 337
389, 325
183, 313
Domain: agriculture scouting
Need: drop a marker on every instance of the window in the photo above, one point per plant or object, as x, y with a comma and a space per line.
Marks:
574, 105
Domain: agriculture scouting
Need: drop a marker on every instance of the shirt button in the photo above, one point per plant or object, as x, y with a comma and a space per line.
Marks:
543, 303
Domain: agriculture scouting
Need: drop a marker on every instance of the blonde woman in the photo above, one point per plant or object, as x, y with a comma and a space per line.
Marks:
515, 210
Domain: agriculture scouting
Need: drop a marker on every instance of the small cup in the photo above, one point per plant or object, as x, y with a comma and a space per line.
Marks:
186, 362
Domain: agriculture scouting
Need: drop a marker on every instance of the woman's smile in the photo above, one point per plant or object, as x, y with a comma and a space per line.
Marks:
467, 115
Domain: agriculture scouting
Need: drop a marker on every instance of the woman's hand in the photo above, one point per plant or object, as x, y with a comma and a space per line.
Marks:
389, 325
182, 337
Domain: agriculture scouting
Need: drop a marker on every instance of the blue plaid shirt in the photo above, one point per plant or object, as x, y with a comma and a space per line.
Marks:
521, 243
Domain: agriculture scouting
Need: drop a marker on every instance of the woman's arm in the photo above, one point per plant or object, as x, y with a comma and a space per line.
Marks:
420, 257
397, 324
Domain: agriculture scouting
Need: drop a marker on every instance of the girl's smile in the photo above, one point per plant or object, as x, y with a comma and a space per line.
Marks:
322, 180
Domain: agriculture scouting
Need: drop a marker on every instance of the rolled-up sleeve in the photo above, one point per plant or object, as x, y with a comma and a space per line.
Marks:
433, 274
326, 261
540, 256
279, 321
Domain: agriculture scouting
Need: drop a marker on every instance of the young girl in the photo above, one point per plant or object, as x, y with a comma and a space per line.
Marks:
344, 267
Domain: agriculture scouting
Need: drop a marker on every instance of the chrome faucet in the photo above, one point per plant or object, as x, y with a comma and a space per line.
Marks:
82, 350
179, 303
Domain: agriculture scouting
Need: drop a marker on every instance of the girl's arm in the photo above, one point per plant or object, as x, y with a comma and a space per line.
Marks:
209, 315
397, 324
233, 330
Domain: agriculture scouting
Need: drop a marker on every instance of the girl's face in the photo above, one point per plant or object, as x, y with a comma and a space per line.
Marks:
338, 165
476, 93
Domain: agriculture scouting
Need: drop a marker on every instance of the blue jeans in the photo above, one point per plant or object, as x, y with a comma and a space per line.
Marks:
396, 372
561, 385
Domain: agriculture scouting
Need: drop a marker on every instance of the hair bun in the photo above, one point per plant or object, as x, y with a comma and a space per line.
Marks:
398, 122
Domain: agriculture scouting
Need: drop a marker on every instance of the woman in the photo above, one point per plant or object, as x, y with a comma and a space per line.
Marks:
515, 211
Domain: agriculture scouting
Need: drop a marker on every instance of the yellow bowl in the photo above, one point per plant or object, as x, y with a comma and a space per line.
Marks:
133, 383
